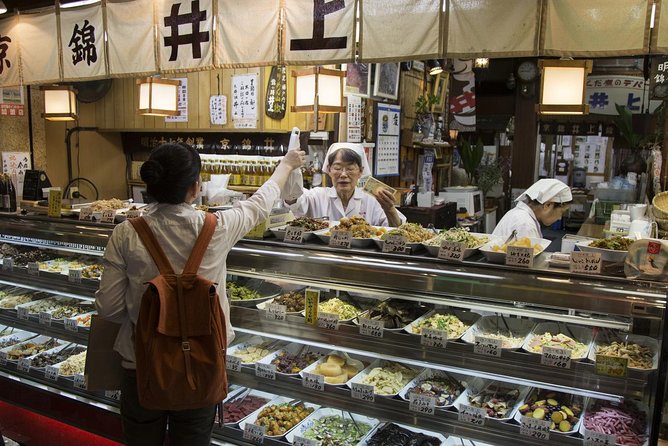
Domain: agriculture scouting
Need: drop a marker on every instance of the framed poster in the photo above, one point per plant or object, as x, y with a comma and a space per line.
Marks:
358, 79
440, 91
386, 155
386, 81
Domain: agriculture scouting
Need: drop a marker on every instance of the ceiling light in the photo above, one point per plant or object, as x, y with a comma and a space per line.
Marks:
562, 87
78, 3
481, 62
3, 7
60, 103
435, 67
158, 97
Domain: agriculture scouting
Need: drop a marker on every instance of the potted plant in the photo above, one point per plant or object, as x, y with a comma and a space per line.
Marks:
634, 162
471, 156
424, 118
489, 175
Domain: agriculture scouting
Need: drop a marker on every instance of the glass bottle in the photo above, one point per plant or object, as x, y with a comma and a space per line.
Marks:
12, 195
317, 172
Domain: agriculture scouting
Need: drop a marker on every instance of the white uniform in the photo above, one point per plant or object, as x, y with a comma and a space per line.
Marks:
520, 218
324, 202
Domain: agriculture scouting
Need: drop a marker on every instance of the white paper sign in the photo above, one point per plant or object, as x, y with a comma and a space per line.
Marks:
354, 116
183, 102
266, 371
71, 324
313, 381
328, 321
15, 164
473, 415
434, 338
233, 363
450, 250
8, 264
74, 275
218, 109
556, 357
276, 312
244, 96
24, 365
592, 438
22, 313
534, 428
108, 216
341, 239
51, 373
364, 392
395, 243
133, 213
369, 327
254, 433
487, 346
33, 269
81, 382
519, 256
86, 214
585, 262
294, 234
422, 404
45, 318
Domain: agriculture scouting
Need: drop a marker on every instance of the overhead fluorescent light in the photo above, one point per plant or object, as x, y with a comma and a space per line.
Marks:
78, 3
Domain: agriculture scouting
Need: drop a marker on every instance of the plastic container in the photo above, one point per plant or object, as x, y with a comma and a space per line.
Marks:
618, 195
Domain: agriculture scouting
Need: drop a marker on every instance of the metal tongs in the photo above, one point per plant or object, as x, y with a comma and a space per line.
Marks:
513, 235
357, 428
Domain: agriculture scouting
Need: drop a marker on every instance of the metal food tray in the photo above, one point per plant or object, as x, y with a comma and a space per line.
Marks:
379, 363
578, 333
486, 324
306, 424
242, 391
250, 419
430, 374
523, 392
573, 398
294, 348
467, 317
362, 359
605, 336
641, 406
365, 314
267, 290
253, 341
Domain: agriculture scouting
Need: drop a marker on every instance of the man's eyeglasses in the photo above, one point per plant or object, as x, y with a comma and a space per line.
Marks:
337, 168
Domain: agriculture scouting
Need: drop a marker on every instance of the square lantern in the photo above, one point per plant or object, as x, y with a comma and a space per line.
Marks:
60, 103
319, 90
563, 87
158, 97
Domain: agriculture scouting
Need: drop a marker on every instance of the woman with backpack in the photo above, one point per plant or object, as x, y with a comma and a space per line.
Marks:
172, 174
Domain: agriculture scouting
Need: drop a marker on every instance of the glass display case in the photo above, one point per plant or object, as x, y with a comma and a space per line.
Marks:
506, 316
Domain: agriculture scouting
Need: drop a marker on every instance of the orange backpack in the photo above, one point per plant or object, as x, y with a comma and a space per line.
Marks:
180, 337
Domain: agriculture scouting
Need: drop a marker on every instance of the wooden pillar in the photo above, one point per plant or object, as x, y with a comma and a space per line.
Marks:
524, 141
664, 148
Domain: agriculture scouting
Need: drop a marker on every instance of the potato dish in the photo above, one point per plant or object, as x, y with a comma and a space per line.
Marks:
358, 226
524, 242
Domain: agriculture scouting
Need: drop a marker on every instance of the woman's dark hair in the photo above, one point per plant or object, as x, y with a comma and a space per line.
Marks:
347, 155
171, 169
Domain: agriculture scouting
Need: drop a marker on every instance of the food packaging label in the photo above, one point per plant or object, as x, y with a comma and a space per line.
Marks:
51, 373
74, 275
450, 250
45, 318
33, 269
372, 328
55, 202
341, 239
585, 262
81, 382
108, 216
364, 392
113, 394
8, 264
133, 213
311, 301
592, 438
3, 358
556, 357
519, 256
611, 366
86, 214
313, 381
473, 415
22, 313
233, 363
329, 321
488, 346
434, 338
276, 312
534, 428
266, 371
71, 324
24, 365
422, 404
294, 234
395, 243
254, 433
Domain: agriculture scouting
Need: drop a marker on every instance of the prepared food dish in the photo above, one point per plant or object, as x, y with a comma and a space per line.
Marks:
393, 435
9, 342
524, 242
105, 205
10, 301
445, 322
50, 304
290, 363
625, 421
22, 256
30, 348
497, 401
461, 235
67, 311
616, 243
336, 369
389, 379
335, 305
560, 340
240, 292
310, 224
334, 430
234, 411
293, 301
92, 271
252, 353
639, 356
280, 418
444, 390
84, 320
413, 232
507, 341
74, 365
55, 357
396, 313
358, 226
559, 409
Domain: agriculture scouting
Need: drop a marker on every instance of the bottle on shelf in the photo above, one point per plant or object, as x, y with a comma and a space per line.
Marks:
4, 192
12, 194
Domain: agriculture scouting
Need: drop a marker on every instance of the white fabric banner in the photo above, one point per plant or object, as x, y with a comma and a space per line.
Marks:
185, 34
247, 33
319, 31
131, 37
9, 53
82, 37
386, 26
39, 49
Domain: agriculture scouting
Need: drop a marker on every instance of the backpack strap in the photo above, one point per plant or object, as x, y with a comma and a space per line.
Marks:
152, 246
201, 245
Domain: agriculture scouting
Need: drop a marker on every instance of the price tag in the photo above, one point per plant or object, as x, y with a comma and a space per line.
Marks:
24, 365
586, 262
74, 275
276, 312
22, 313
254, 433
113, 394
611, 366
371, 328
488, 346
71, 324
329, 321
108, 216
86, 214
3, 358
450, 250
434, 338
422, 404
81, 382
534, 428
33, 268
395, 243
294, 234
266, 371
301, 441
45, 318
8, 264
519, 256
133, 213
341, 239
51, 373
313, 381
592, 438
556, 357
473, 415
364, 392
233, 363
311, 300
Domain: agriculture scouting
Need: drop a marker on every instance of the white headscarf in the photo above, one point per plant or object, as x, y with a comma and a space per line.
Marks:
547, 189
355, 147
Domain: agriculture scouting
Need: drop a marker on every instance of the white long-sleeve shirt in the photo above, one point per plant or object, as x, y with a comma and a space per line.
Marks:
324, 202
520, 218
128, 265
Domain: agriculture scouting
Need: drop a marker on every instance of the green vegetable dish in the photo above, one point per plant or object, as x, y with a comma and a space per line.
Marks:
336, 431
616, 243
239, 292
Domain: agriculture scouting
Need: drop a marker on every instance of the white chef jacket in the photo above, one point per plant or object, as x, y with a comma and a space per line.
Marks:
520, 218
128, 265
324, 202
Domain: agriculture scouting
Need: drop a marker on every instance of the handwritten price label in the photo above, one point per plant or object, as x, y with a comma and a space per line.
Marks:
254, 433
434, 338
341, 239
328, 321
534, 428
22, 313
311, 301
473, 415
51, 373
266, 371
301, 441
364, 392
556, 357
24, 365
612, 366
86, 214
276, 312
371, 328
488, 346
3, 358
33, 268
294, 234
450, 250
586, 262
395, 243
133, 213
113, 394
74, 275
422, 404
592, 438
108, 216
519, 256
45, 318
71, 324
8, 264
233, 363
313, 381
81, 382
